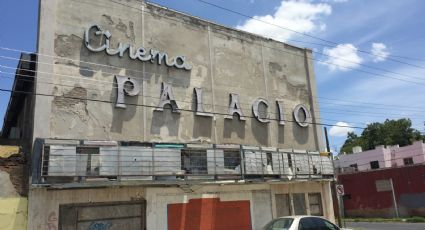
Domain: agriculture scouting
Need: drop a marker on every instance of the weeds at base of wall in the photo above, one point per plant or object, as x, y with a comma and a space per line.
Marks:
414, 219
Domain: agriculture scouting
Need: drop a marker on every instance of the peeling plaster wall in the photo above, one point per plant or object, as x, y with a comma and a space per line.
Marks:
13, 207
224, 61
13, 178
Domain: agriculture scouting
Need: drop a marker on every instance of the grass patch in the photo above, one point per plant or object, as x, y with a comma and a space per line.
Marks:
374, 219
414, 219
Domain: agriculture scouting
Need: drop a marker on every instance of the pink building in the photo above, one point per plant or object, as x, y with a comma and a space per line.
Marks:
407, 155
381, 157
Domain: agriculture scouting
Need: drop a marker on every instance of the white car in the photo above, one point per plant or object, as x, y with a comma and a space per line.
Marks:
301, 223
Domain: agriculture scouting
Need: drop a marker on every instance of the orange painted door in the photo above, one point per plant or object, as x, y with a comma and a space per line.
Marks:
209, 214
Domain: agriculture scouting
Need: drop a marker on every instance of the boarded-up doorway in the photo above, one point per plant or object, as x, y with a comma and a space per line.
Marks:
209, 214
103, 216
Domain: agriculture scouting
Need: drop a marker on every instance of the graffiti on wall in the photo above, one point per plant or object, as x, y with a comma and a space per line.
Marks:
51, 221
100, 226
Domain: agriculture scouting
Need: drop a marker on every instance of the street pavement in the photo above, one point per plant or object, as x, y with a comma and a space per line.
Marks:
385, 226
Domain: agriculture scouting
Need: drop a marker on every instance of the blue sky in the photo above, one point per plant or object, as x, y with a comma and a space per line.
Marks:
347, 94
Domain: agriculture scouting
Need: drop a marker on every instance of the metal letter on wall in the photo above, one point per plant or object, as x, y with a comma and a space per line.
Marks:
255, 107
235, 107
125, 86
281, 112
104, 36
307, 119
199, 106
167, 98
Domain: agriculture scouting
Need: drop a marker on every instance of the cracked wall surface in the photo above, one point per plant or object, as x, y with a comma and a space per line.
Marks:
223, 61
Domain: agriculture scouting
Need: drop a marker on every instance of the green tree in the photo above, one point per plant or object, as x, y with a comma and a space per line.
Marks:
390, 132
352, 140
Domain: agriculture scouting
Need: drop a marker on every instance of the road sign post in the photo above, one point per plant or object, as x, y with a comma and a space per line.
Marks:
340, 193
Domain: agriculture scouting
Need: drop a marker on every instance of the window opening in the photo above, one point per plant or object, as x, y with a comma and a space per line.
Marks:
194, 161
374, 164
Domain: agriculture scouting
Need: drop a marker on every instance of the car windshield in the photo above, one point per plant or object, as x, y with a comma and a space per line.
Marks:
279, 224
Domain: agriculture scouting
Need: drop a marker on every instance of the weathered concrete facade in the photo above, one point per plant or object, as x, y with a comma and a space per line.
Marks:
223, 61
261, 198
87, 47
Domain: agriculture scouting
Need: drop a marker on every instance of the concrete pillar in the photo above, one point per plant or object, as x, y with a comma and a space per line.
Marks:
328, 208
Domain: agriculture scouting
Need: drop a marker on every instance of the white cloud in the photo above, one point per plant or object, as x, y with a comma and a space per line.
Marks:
335, 1
342, 57
297, 15
338, 130
380, 51
322, 26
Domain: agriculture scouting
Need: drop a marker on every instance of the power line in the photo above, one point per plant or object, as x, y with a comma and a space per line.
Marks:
179, 101
144, 11
254, 18
375, 158
77, 98
369, 66
113, 87
150, 12
366, 108
190, 102
314, 37
367, 113
274, 48
111, 82
144, 72
151, 106
363, 102
114, 84
184, 101
364, 154
329, 63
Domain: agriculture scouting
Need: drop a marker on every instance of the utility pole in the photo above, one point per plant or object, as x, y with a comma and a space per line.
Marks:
328, 149
337, 212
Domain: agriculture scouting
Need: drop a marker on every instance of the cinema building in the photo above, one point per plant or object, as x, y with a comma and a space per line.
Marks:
146, 118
